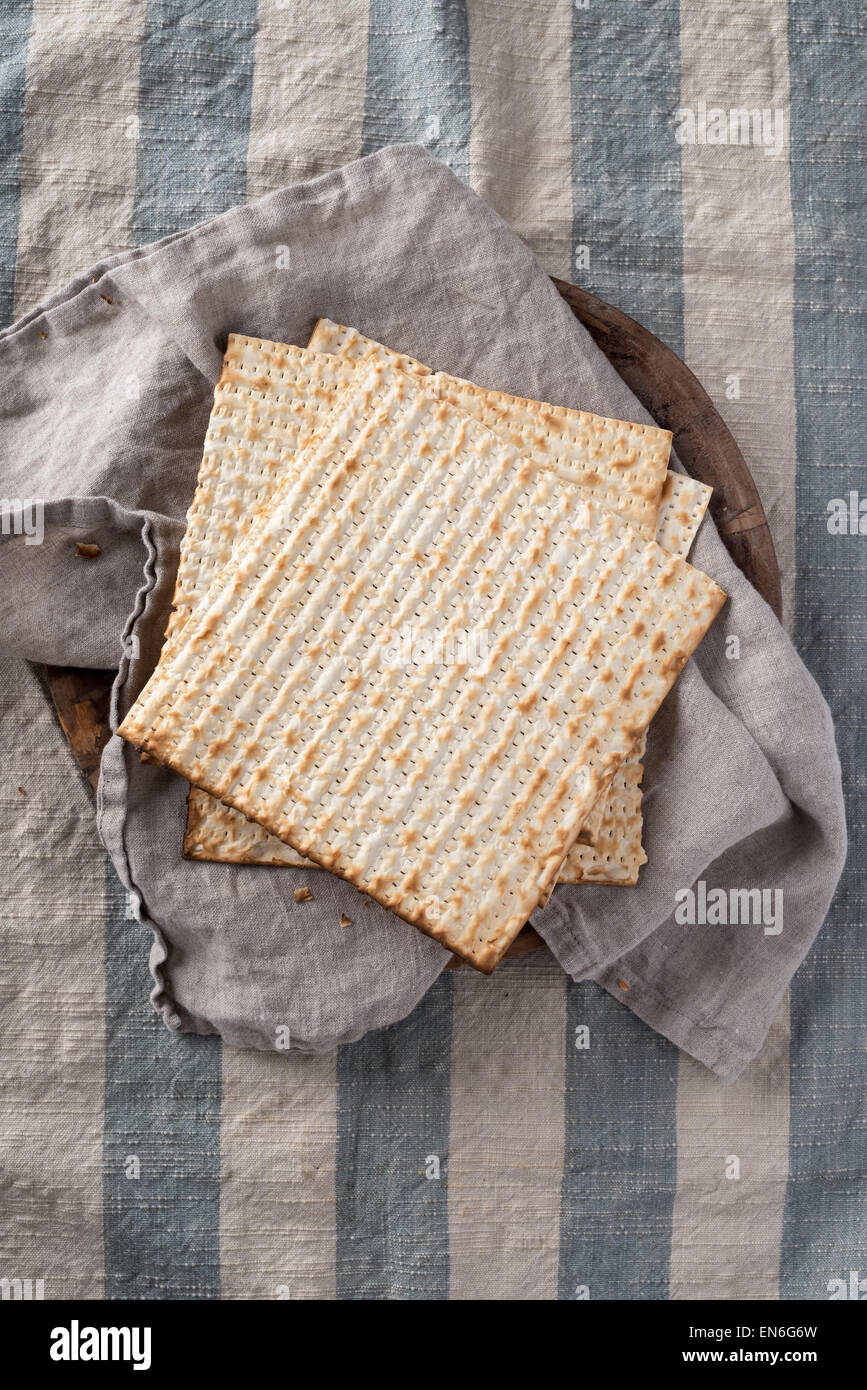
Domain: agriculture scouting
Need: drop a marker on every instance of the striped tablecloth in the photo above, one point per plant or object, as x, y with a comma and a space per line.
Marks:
474, 1151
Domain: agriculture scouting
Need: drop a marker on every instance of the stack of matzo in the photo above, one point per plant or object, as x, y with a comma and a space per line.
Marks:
347, 495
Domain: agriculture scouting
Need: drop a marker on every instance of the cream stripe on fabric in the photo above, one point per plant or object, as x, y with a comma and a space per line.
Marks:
506, 1148
77, 179
277, 1194
52, 1000
738, 288
521, 142
508, 1063
506, 1151
308, 91
732, 1161
277, 1211
79, 155
738, 247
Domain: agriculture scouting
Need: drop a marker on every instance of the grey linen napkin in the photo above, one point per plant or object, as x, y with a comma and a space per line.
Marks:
107, 390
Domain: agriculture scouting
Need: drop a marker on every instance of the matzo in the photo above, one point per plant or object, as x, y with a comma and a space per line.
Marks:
450, 792
216, 832
682, 506
586, 448
336, 339
684, 503
615, 852
527, 424
514, 417
622, 464
267, 393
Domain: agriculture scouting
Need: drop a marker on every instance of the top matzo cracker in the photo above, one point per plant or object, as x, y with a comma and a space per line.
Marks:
450, 789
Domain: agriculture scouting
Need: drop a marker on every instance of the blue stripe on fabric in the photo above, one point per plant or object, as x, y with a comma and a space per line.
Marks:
626, 183
393, 1098
620, 1153
163, 1090
161, 1138
418, 79
14, 34
825, 1222
620, 1160
392, 1131
195, 89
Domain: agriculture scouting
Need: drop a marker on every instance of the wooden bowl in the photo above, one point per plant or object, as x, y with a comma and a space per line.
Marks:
673, 396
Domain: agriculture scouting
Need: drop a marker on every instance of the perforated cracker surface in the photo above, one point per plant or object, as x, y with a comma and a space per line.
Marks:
617, 853
448, 789
614, 824
682, 506
684, 503
613, 852
590, 452
268, 393
622, 465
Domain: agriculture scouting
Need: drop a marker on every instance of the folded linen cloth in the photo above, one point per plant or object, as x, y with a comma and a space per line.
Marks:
107, 392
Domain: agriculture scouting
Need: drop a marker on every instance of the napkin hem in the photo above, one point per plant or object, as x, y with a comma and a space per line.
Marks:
707, 1042
114, 755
